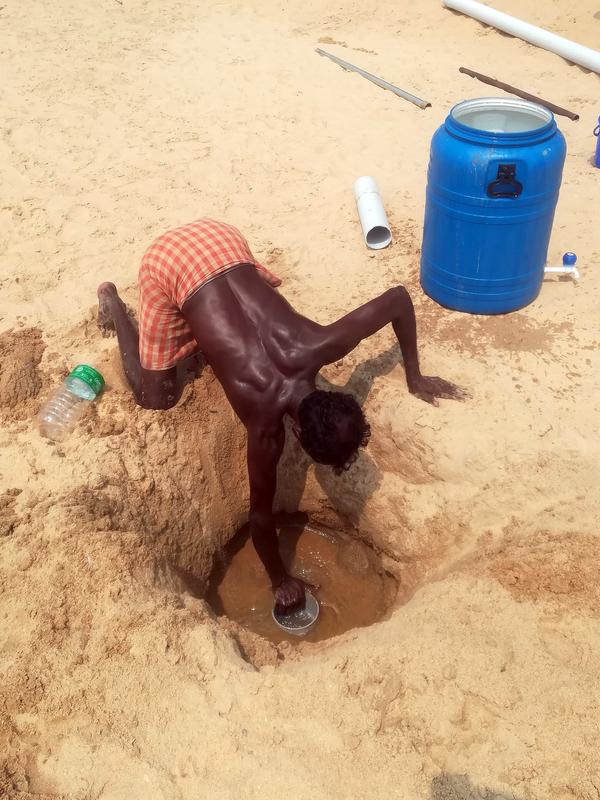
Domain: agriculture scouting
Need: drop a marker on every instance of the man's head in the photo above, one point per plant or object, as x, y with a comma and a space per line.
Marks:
332, 428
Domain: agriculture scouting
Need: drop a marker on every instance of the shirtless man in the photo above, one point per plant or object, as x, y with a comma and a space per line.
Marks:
201, 289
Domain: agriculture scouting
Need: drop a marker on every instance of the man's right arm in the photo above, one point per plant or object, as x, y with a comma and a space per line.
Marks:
264, 451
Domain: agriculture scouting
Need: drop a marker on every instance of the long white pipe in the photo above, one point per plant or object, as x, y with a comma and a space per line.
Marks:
577, 53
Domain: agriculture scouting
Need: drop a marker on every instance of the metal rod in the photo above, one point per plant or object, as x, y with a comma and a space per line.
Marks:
374, 79
520, 93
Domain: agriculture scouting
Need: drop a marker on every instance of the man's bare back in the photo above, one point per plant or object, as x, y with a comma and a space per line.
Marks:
267, 357
262, 351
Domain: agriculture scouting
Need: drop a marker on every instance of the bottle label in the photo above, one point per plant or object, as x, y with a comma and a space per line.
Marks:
89, 376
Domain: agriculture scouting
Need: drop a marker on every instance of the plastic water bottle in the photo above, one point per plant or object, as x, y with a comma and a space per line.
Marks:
62, 410
597, 135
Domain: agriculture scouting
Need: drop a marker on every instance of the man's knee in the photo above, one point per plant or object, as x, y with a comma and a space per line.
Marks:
398, 294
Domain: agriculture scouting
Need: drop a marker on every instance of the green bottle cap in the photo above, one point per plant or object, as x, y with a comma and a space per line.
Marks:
89, 376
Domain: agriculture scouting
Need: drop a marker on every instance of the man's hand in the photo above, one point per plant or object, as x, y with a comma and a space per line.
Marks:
289, 595
430, 389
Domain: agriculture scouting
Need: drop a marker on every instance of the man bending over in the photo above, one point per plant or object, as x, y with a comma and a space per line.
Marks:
200, 288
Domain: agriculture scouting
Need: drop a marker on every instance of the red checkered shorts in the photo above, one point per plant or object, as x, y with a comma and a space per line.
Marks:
175, 266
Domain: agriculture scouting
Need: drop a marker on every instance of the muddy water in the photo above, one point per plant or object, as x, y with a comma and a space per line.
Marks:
353, 588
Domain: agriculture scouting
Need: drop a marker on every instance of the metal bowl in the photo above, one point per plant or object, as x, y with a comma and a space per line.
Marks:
301, 620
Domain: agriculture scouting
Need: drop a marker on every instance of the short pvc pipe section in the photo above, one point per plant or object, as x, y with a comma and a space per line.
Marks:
373, 219
379, 236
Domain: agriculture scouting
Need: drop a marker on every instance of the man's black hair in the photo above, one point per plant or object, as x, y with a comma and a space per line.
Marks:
332, 428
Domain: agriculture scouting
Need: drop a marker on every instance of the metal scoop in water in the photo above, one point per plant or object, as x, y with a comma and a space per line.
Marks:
300, 620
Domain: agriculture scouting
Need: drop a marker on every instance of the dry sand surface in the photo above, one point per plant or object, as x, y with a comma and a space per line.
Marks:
121, 119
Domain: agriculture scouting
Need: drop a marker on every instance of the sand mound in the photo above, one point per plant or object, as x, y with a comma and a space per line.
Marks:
20, 380
559, 569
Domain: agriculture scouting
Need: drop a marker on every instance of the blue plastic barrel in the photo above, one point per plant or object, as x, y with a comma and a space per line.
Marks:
494, 175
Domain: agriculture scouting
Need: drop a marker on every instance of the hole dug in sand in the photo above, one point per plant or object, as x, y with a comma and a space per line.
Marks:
177, 482
350, 582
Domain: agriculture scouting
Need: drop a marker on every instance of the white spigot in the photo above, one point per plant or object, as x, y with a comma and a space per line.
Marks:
568, 267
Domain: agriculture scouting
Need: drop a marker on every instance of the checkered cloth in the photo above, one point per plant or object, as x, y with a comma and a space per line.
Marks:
175, 266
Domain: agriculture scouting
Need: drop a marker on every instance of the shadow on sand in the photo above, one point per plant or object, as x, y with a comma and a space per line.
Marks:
448, 786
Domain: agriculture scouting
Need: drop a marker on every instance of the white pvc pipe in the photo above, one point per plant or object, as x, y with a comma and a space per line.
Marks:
376, 230
573, 271
577, 53
568, 266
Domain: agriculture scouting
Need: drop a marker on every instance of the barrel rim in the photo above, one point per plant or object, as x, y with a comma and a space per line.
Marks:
548, 123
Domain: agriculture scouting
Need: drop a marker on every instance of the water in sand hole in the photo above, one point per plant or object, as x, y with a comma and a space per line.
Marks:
354, 589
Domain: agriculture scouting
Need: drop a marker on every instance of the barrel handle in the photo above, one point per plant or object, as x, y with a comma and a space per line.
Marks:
597, 130
506, 184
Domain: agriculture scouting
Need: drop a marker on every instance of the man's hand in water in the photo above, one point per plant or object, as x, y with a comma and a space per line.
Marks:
289, 594
430, 389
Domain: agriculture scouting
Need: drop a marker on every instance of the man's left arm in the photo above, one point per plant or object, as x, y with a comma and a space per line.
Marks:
396, 307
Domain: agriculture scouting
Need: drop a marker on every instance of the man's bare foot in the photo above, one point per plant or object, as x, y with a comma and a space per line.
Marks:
108, 298
105, 292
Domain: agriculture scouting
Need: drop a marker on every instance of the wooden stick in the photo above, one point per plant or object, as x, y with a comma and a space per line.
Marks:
520, 93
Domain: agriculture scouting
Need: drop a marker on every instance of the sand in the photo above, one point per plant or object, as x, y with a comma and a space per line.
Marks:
123, 119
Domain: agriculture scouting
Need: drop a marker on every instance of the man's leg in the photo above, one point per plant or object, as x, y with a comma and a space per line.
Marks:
157, 389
